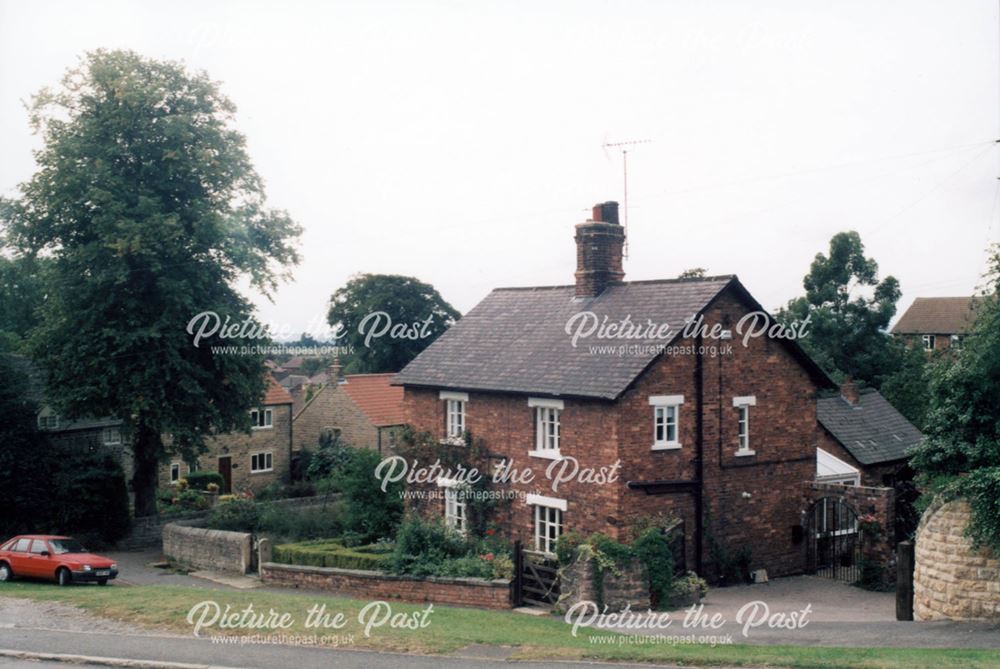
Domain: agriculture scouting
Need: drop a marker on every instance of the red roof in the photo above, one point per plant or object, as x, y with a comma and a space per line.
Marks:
938, 315
380, 402
275, 394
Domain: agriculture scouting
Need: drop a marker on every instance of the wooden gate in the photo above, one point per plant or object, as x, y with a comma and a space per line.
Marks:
834, 541
536, 578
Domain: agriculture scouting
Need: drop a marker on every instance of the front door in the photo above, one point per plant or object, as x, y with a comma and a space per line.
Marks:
226, 471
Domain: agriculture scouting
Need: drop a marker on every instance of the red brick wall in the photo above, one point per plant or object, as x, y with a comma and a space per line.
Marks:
377, 586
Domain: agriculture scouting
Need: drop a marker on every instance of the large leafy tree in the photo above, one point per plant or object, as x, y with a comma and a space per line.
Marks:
960, 454
148, 205
849, 310
408, 313
22, 292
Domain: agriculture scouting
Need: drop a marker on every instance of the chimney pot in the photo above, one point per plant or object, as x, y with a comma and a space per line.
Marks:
605, 212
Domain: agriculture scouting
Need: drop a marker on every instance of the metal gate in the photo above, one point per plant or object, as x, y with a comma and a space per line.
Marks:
536, 578
835, 543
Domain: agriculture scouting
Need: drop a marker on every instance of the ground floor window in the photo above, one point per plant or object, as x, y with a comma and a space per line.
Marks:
454, 510
548, 528
175, 472
260, 462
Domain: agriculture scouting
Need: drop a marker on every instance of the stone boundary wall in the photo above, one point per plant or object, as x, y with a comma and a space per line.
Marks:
373, 585
628, 589
216, 550
951, 581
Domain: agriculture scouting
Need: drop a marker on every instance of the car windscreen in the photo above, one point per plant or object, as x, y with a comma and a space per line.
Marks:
60, 546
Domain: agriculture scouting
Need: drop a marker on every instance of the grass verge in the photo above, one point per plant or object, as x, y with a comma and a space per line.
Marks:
450, 629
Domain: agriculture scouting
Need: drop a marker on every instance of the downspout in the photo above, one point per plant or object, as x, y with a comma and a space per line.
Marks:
699, 453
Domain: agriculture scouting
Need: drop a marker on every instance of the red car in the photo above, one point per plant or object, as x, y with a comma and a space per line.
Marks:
60, 559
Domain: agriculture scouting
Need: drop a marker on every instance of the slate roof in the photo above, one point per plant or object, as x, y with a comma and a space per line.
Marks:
873, 431
380, 401
937, 315
515, 340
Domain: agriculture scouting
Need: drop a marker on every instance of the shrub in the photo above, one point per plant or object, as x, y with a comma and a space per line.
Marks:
297, 524
331, 456
369, 512
199, 480
653, 550
237, 515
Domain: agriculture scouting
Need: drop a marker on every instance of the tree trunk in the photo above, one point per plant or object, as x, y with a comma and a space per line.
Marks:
146, 461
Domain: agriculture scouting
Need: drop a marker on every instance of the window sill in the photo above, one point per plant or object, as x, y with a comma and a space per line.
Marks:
452, 441
743, 454
547, 455
672, 446
261, 471
266, 427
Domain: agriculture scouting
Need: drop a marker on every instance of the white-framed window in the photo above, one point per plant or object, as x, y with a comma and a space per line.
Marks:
261, 419
454, 510
261, 462
547, 427
175, 472
548, 521
111, 436
454, 415
48, 420
956, 342
743, 405
666, 421
928, 342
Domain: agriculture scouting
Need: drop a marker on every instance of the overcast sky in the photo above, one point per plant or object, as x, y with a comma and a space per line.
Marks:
460, 142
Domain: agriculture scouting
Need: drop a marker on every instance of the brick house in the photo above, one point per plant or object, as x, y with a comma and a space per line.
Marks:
866, 436
936, 323
247, 461
365, 410
719, 434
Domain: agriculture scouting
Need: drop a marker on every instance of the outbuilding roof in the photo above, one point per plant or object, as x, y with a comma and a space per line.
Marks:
872, 430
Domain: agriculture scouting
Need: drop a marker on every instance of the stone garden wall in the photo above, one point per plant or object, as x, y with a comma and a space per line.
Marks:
627, 588
951, 580
208, 549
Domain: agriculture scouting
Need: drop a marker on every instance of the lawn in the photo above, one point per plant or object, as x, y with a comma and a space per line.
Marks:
450, 629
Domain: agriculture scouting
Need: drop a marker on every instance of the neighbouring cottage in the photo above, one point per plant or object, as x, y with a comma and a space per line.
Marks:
247, 461
718, 432
364, 410
936, 323
865, 440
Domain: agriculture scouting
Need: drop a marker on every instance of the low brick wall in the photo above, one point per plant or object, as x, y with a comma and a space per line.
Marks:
208, 549
377, 585
951, 581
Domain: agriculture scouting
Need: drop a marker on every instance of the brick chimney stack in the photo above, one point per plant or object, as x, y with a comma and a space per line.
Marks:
333, 371
599, 244
849, 391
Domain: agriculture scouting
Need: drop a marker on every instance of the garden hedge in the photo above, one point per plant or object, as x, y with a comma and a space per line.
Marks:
331, 554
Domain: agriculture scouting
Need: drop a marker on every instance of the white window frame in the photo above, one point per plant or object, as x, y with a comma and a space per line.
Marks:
44, 419
454, 416
548, 427
175, 472
743, 405
547, 513
115, 436
268, 462
928, 341
264, 413
662, 406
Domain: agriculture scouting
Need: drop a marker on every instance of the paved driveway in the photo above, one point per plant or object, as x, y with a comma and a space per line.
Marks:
839, 615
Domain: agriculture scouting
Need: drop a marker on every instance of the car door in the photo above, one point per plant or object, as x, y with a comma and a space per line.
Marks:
40, 559
20, 558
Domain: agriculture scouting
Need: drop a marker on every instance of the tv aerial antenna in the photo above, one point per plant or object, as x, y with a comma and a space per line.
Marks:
624, 147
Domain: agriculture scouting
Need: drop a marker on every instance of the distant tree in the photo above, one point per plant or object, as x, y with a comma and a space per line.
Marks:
408, 313
148, 204
960, 454
693, 273
849, 310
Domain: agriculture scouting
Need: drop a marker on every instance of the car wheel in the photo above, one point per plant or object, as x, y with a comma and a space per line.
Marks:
63, 576
102, 581
5, 573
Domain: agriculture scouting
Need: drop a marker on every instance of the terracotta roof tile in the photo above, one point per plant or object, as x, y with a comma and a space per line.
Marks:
275, 394
373, 394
